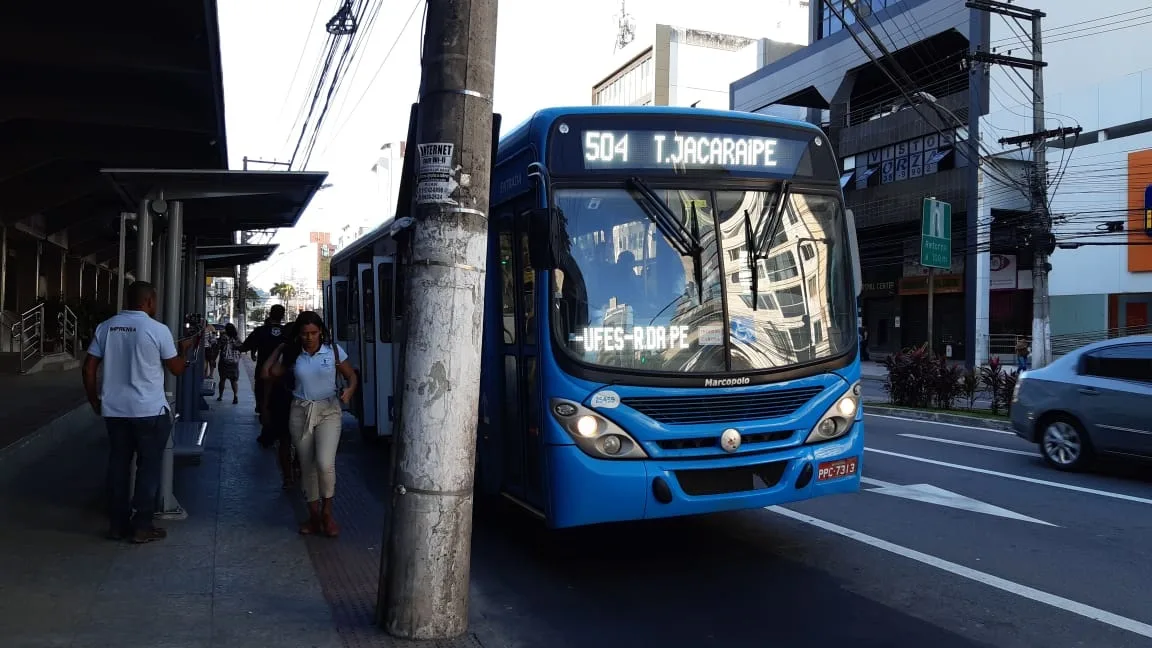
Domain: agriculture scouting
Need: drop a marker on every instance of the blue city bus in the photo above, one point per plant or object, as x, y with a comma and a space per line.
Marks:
695, 347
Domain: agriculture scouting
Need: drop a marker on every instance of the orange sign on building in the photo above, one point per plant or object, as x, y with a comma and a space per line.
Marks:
1139, 216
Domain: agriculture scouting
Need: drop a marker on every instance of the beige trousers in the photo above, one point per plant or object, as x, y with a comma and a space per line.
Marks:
315, 429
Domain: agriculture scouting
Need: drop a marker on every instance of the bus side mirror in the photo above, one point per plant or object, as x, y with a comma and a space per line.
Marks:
544, 237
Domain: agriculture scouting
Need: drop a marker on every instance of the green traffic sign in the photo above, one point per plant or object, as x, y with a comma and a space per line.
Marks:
936, 235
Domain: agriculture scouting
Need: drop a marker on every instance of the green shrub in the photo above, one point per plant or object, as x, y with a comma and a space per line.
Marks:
919, 378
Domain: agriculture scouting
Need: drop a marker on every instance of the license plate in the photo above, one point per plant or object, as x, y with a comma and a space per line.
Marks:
835, 469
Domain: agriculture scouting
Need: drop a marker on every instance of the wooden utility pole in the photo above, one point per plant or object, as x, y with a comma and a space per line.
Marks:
428, 557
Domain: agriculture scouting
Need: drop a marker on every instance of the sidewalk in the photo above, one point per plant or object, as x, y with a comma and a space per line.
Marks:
28, 402
233, 574
872, 370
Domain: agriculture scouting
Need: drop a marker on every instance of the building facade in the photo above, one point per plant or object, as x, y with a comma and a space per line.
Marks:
677, 66
922, 117
894, 152
1101, 279
387, 169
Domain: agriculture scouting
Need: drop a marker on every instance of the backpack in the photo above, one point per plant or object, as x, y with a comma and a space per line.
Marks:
230, 351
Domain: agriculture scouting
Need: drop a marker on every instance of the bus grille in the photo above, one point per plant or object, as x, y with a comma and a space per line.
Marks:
680, 410
717, 481
714, 441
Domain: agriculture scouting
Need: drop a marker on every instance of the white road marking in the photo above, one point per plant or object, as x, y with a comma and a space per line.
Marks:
1030, 480
955, 425
1033, 594
971, 445
930, 494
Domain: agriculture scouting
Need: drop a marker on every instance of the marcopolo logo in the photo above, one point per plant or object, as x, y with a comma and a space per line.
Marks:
726, 382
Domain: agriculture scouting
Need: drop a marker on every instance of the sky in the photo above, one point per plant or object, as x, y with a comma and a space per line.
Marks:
548, 53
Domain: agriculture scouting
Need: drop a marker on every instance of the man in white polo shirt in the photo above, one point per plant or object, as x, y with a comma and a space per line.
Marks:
134, 349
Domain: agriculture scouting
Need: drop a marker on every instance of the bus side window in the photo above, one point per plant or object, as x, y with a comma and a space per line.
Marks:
508, 284
528, 293
369, 305
384, 297
352, 313
340, 305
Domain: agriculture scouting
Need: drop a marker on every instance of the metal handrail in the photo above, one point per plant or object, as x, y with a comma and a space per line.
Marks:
1002, 343
1068, 342
69, 326
31, 336
1063, 343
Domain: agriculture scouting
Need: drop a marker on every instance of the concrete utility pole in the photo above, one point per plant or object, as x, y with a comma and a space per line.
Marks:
240, 299
428, 556
1041, 238
1041, 314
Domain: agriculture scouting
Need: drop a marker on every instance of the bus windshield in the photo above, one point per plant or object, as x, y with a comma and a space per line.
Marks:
626, 296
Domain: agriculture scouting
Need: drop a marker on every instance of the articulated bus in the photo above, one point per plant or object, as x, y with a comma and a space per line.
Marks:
670, 316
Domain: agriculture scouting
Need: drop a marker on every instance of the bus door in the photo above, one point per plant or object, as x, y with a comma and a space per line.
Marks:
367, 297
337, 317
520, 428
385, 276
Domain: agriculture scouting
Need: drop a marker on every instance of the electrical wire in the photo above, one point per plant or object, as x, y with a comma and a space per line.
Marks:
300, 60
991, 168
379, 69
343, 54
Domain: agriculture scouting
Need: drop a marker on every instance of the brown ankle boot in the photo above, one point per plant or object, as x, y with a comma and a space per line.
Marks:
314, 523
330, 527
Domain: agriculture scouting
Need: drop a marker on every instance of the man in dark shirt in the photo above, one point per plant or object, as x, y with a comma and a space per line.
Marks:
264, 340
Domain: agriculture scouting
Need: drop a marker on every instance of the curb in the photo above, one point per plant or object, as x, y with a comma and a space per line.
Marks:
47, 439
938, 417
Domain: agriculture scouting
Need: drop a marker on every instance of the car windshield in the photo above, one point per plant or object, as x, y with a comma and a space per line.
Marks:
627, 296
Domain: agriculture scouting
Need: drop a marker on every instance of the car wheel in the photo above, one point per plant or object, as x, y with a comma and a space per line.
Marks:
1064, 444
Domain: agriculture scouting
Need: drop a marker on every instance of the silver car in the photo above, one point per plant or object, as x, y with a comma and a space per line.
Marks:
1095, 400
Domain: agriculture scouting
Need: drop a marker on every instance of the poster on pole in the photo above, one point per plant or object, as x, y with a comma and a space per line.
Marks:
936, 235
434, 169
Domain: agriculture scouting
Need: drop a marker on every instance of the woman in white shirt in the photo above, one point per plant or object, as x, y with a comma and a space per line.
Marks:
309, 365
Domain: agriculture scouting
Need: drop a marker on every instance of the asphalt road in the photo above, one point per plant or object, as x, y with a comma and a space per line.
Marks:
1067, 561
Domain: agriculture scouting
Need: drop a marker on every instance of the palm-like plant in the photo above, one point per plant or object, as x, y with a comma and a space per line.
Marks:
285, 291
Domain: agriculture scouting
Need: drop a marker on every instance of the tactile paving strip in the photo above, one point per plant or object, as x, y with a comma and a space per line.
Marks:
349, 567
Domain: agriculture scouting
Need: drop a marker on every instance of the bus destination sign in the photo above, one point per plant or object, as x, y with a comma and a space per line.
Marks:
674, 151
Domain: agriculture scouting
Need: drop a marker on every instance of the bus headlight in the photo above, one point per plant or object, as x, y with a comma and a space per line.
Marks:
594, 434
838, 419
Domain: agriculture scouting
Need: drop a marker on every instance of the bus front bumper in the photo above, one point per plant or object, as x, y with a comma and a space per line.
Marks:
585, 490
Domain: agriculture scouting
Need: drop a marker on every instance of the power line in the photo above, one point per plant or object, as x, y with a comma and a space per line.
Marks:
346, 58
300, 60
383, 63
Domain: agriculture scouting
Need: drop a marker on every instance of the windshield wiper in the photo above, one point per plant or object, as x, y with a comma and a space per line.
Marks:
685, 242
756, 244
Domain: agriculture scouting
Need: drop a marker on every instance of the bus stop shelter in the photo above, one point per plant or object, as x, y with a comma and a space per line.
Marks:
184, 222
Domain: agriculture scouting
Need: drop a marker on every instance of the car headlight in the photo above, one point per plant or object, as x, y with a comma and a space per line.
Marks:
594, 434
838, 419
1016, 387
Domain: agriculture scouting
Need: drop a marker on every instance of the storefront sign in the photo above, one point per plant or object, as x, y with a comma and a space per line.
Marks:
941, 284
878, 289
1002, 272
880, 283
